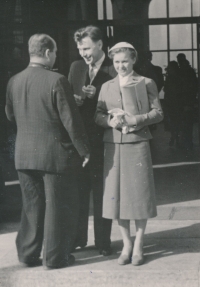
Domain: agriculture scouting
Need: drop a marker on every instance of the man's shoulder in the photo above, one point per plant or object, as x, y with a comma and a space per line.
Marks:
79, 64
107, 65
52, 77
107, 62
55, 75
16, 78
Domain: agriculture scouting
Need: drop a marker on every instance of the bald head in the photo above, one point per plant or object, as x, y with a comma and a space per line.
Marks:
39, 43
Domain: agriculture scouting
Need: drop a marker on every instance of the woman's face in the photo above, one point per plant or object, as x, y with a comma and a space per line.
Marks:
123, 63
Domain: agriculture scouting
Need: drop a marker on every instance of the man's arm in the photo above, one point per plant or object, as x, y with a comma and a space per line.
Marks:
78, 99
102, 118
9, 105
70, 116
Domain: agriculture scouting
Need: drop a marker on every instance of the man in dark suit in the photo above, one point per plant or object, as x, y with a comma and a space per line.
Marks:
51, 140
86, 77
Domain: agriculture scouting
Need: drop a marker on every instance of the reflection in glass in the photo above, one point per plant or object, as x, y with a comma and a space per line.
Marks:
180, 36
158, 37
158, 9
180, 8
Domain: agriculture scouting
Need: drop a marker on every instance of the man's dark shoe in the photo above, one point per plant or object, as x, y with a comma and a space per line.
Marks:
35, 263
105, 251
65, 263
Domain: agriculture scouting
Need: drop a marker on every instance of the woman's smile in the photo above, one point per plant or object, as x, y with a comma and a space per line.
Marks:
123, 63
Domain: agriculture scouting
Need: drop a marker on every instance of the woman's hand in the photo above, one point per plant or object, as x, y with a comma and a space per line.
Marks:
115, 123
130, 119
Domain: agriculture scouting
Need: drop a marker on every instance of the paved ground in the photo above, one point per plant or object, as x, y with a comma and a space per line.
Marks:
172, 242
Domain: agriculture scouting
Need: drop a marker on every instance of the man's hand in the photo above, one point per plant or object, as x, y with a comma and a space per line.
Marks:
86, 160
89, 91
79, 100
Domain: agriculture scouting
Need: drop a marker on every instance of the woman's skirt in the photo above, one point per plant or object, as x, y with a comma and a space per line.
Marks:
129, 191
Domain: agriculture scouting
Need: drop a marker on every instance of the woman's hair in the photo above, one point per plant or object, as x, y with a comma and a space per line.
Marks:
39, 43
133, 53
90, 31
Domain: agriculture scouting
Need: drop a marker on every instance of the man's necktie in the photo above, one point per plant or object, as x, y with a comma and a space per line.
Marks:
91, 73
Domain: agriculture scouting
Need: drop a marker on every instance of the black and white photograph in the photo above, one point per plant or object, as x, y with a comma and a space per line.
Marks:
99, 143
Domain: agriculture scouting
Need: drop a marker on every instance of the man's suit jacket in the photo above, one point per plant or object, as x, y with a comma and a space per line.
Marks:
50, 132
79, 77
110, 97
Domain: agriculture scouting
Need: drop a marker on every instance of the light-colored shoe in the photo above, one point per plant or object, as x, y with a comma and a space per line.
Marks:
137, 260
124, 259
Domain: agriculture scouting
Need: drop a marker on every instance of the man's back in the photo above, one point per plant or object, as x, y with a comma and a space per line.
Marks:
42, 106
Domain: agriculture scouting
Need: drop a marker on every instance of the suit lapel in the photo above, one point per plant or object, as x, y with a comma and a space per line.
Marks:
85, 75
104, 69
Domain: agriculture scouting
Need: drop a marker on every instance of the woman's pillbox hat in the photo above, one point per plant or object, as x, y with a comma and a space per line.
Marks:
121, 45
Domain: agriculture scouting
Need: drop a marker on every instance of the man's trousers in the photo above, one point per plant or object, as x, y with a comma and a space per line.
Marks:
49, 216
91, 179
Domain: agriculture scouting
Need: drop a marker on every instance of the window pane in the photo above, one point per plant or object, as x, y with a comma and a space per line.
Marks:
188, 54
194, 26
191, 56
160, 59
195, 61
158, 37
100, 9
158, 9
109, 10
195, 8
180, 36
179, 8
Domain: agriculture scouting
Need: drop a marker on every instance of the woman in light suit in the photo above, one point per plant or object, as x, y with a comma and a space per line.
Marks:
129, 191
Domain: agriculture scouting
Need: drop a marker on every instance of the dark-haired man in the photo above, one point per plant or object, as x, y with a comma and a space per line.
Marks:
86, 77
51, 140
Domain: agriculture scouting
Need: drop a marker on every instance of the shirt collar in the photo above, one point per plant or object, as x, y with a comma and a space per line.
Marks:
98, 63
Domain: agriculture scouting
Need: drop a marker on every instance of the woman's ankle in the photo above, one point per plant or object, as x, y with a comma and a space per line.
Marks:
138, 247
127, 248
